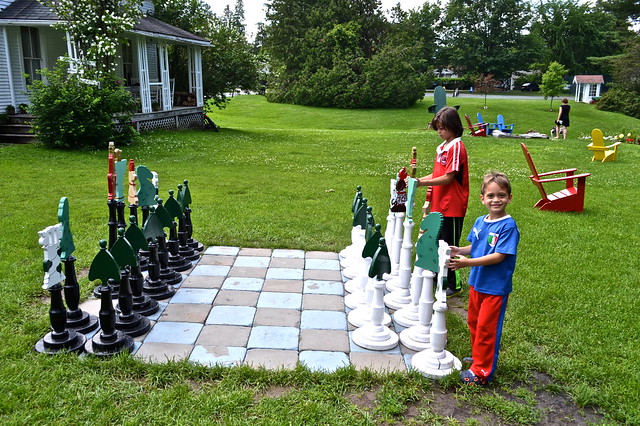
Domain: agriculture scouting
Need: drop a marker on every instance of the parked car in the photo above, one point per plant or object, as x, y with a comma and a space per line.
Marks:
530, 87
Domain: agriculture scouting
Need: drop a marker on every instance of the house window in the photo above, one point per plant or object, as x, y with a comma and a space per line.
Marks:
593, 90
127, 65
31, 53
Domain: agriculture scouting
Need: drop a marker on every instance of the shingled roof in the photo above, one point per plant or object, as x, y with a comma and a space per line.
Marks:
30, 11
589, 79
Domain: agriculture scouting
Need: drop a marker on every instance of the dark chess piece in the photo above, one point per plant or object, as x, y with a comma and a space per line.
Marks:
103, 267
174, 260
184, 196
60, 338
177, 243
77, 319
125, 255
153, 285
131, 323
108, 341
136, 238
113, 221
167, 273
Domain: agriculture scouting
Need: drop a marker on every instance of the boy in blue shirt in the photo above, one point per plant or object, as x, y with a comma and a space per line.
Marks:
494, 241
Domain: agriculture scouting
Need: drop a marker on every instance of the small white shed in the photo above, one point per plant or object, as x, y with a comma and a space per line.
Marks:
587, 87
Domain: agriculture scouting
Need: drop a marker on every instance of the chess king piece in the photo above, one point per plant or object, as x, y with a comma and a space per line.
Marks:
60, 338
77, 319
374, 335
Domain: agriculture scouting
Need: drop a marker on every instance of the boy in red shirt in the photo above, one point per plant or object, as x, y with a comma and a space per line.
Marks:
449, 183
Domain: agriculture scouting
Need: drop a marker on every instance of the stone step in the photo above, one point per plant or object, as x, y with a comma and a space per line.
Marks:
14, 128
17, 138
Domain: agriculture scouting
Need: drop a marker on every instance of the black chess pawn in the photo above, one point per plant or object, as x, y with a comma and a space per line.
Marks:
108, 341
142, 304
77, 319
167, 273
131, 323
153, 285
180, 254
186, 199
184, 249
60, 338
176, 261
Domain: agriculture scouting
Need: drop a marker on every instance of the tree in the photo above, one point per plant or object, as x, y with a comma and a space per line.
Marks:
343, 53
227, 66
574, 32
552, 82
486, 84
486, 37
97, 27
624, 96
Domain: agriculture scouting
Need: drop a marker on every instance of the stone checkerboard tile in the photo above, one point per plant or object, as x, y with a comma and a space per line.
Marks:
261, 307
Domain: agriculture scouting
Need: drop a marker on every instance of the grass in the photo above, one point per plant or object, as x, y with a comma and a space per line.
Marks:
283, 176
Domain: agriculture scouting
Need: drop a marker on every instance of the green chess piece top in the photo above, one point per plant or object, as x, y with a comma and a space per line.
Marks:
135, 236
147, 191
373, 242
370, 223
153, 228
427, 245
173, 207
381, 262
360, 218
186, 197
411, 195
66, 241
104, 266
163, 214
356, 199
123, 252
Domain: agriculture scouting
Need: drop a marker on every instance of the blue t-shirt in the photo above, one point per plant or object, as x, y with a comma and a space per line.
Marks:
494, 236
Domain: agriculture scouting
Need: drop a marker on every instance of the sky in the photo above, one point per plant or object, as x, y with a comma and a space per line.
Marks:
254, 10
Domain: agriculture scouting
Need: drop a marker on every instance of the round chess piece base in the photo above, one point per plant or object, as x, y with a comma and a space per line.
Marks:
82, 321
435, 365
53, 342
105, 346
375, 338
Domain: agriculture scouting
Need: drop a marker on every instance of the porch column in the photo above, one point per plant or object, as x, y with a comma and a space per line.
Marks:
195, 74
8, 59
143, 73
167, 96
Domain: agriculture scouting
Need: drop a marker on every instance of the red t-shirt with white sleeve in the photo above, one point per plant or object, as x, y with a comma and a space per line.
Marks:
451, 200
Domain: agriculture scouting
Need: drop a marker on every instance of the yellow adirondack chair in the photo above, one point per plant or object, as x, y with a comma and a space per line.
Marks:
600, 151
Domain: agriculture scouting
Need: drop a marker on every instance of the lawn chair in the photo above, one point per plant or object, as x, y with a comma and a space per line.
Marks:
499, 125
570, 199
439, 100
600, 151
479, 129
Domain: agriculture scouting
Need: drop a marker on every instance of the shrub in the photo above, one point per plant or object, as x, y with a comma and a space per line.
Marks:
620, 100
72, 113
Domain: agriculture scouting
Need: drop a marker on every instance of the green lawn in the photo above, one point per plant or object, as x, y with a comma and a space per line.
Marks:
284, 176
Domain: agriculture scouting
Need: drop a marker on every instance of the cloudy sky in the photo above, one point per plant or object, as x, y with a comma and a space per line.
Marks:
254, 9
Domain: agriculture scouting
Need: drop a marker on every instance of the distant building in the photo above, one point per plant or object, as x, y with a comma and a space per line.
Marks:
587, 87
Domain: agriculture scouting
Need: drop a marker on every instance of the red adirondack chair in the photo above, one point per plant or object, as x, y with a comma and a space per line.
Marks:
570, 199
479, 129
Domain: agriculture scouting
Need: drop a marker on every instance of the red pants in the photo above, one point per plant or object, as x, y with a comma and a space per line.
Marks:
485, 318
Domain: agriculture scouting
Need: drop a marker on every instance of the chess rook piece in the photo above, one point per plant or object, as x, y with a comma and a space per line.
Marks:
77, 319
108, 341
131, 323
153, 285
60, 338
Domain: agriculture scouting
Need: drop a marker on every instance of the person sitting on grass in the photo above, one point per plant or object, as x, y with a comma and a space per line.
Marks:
494, 241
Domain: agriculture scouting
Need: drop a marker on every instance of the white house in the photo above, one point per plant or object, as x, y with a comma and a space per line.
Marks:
29, 42
587, 87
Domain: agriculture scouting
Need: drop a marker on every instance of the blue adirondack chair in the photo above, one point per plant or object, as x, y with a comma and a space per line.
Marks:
499, 125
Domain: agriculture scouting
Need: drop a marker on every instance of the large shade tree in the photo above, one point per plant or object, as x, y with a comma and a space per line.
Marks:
344, 53
486, 37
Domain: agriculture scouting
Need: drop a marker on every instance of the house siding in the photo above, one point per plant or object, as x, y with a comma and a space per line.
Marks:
5, 96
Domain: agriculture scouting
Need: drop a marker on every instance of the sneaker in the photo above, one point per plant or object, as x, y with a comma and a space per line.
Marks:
453, 292
470, 379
